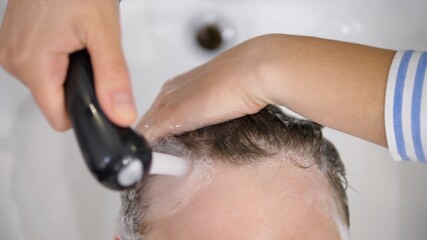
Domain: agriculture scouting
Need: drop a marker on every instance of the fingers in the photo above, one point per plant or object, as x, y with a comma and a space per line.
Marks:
184, 105
42, 70
169, 113
53, 110
112, 84
35, 43
212, 93
153, 125
48, 91
112, 81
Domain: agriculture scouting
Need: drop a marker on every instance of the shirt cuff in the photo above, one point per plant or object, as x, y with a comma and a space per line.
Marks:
406, 106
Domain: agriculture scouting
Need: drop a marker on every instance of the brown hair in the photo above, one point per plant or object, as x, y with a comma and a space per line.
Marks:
249, 139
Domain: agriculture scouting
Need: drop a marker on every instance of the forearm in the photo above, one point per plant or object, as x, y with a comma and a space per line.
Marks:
336, 84
339, 85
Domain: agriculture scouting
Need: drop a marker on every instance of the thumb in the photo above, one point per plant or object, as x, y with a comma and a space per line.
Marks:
112, 81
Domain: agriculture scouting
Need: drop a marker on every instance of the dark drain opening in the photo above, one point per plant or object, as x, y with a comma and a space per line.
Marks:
209, 37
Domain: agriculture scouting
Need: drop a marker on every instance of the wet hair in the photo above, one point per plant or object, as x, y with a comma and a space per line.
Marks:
245, 140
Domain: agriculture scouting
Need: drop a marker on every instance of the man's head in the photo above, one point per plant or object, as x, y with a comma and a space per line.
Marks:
262, 176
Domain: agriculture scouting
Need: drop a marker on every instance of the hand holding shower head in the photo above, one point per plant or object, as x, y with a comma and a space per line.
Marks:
117, 157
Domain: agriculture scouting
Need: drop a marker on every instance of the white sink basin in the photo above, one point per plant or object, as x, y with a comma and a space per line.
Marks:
46, 191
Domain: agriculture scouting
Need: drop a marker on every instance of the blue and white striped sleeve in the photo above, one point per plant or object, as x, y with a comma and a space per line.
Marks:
406, 106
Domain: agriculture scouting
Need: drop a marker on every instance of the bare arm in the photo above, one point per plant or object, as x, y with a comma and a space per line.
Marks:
339, 85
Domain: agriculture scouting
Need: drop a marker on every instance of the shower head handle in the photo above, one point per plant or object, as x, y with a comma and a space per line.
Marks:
117, 157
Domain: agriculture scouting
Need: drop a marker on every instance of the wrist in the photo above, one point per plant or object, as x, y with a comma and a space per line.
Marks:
273, 68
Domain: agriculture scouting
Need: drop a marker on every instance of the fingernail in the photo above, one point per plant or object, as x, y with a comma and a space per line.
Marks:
123, 106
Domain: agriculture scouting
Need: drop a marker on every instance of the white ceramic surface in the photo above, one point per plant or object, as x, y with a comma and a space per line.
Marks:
46, 192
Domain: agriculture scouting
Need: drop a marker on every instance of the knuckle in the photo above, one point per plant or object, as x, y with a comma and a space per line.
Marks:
19, 59
4, 59
170, 84
163, 100
14, 57
14, 61
167, 85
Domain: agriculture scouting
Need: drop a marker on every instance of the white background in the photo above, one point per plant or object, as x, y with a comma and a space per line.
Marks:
47, 193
